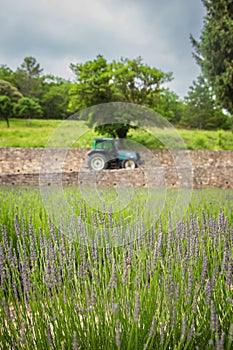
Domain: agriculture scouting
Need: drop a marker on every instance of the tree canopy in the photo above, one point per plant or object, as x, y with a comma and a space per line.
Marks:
202, 111
125, 80
28, 77
7, 89
28, 108
9, 95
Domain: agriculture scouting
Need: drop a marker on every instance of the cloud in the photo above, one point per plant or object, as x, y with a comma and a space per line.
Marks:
58, 33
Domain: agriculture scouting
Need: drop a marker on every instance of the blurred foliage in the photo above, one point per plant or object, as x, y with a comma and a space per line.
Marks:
98, 83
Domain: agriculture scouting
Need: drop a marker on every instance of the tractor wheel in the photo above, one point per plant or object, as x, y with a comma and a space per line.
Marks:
97, 162
129, 164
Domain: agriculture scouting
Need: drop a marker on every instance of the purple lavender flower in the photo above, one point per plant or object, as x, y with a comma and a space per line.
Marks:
213, 317
136, 315
17, 226
118, 333
75, 342
152, 327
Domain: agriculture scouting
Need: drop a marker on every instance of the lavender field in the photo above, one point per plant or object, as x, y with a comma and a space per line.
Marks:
171, 288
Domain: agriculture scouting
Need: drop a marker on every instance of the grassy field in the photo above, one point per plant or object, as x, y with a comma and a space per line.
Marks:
170, 288
36, 133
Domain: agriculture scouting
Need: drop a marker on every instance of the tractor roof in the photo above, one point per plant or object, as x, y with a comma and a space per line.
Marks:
102, 139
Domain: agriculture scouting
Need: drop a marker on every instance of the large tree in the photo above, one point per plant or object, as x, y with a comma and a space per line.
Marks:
28, 77
214, 50
129, 81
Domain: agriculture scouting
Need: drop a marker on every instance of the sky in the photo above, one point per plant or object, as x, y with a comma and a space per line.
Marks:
58, 33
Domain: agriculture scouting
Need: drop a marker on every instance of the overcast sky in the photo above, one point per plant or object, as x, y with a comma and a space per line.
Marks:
58, 32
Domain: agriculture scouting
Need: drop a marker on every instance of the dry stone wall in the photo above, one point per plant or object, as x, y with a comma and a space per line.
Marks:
34, 166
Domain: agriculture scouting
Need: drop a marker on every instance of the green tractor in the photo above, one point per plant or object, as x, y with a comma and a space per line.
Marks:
109, 153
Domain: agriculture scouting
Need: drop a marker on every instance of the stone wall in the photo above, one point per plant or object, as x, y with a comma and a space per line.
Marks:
34, 166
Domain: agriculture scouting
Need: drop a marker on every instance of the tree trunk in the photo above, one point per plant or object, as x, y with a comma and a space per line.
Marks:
7, 122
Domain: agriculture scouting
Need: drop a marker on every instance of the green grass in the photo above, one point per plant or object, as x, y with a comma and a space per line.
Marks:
37, 133
22, 133
171, 288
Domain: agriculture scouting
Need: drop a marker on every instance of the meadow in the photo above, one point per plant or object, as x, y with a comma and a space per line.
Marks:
169, 288
36, 133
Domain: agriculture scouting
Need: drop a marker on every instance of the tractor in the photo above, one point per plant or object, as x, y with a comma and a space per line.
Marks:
109, 153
